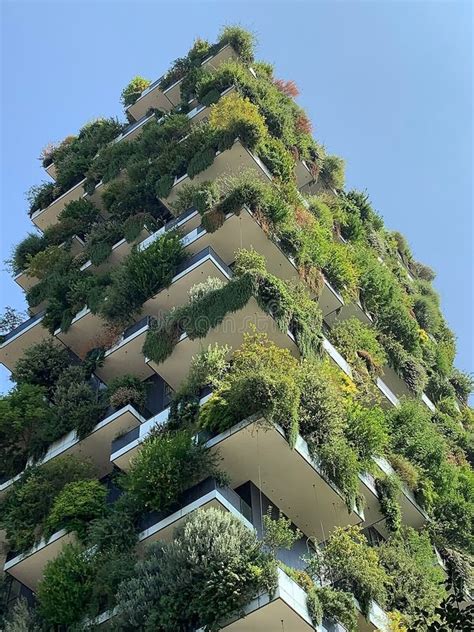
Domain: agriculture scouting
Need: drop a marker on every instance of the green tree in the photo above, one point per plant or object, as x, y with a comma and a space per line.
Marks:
24, 418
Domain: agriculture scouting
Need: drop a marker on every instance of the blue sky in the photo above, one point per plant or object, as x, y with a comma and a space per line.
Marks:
388, 86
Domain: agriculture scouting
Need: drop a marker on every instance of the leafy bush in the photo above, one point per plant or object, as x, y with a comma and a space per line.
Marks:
239, 118
263, 380
41, 365
66, 587
463, 384
367, 432
242, 41
25, 507
73, 159
321, 409
41, 196
166, 465
382, 297
409, 368
388, 488
358, 344
332, 172
200, 290
126, 389
415, 578
24, 424
339, 462
203, 197
29, 247
338, 607
224, 570
142, 275
75, 506
349, 564
341, 271
77, 404
427, 314
133, 90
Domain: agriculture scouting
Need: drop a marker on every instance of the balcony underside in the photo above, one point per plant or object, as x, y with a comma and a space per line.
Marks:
49, 216
170, 97
174, 369
126, 357
286, 610
229, 162
243, 231
290, 478
164, 530
12, 350
28, 568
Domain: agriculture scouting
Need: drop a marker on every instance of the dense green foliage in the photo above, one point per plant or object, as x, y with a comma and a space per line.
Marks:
167, 464
212, 568
290, 307
25, 509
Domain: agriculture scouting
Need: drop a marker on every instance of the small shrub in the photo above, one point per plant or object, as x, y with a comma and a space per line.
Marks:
332, 172
242, 41
25, 250
238, 117
339, 462
351, 565
24, 509
338, 607
66, 587
201, 161
166, 465
358, 344
75, 506
42, 364
198, 291
133, 90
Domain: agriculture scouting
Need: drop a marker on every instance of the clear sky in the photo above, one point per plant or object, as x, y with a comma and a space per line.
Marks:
387, 84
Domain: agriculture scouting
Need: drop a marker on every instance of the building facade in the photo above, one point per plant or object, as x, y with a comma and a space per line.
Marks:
234, 402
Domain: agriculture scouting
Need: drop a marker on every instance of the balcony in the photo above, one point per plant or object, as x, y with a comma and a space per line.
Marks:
388, 397
304, 177
208, 493
26, 282
174, 369
285, 610
95, 446
187, 221
120, 250
234, 160
303, 493
51, 170
19, 339
28, 567
347, 310
48, 216
412, 514
126, 355
167, 99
